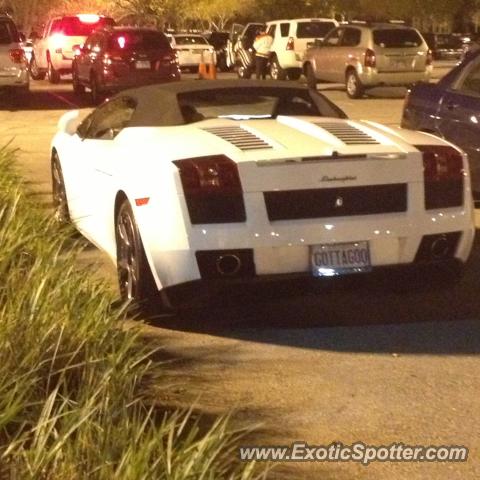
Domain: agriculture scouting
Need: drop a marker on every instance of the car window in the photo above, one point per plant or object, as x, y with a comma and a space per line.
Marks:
109, 119
471, 82
333, 38
271, 30
143, 39
351, 37
8, 33
190, 40
55, 27
314, 29
284, 29
397, 38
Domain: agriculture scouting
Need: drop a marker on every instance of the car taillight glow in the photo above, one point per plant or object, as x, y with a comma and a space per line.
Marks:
17, 55
58, 42
370, 58
444, 175
88, 18
212, 189
290, 44
122, 41
429, 60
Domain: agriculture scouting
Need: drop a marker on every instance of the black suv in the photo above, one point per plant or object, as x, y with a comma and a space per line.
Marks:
116, 58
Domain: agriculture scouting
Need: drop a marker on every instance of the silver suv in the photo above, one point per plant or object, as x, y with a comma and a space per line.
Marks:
13, 64
364, 56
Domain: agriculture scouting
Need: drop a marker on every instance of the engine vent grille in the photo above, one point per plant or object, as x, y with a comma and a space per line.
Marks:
348, 134
238, 136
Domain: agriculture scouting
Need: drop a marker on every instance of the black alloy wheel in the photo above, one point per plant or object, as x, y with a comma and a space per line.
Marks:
135, 278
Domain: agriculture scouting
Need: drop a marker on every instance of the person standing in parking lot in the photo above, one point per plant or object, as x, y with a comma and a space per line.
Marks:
262, 45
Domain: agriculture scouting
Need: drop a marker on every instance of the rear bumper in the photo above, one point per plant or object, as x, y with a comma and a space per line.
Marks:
371, 77
14, 77
421, 273
136, 80
284, 247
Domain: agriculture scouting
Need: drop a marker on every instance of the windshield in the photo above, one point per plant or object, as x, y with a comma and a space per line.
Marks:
314, 29
144, 40
82, 26
253, 103
397, 38
190, 40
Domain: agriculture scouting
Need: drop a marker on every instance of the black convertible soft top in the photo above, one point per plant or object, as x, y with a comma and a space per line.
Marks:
159, 106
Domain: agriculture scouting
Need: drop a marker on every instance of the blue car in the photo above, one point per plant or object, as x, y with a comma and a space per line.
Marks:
451, 109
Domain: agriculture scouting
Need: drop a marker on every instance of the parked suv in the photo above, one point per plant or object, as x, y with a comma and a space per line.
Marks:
53, 52
13, 64
123, 57
364, 56
291, 38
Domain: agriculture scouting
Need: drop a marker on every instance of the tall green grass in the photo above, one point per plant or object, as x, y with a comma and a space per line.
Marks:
72, 381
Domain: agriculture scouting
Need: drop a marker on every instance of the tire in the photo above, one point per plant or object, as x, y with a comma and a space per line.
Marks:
59, 194
311, 79
354, 86
244, 72
276, 71
135, 279
294, 74
52, 75
78, 88
35, 72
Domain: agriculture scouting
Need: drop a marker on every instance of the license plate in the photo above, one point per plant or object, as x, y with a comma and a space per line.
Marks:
142, 64
340, 259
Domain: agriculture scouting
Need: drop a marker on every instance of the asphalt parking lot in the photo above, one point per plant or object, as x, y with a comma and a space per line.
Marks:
376, 360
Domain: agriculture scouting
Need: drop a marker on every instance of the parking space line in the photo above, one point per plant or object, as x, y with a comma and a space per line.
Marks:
63, 99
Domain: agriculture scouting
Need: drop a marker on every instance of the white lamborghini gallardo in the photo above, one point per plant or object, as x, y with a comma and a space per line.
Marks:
231, 181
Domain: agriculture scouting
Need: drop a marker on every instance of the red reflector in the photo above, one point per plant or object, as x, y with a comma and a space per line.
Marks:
370, 58
290, 44
139, 202
17, 55
441, 162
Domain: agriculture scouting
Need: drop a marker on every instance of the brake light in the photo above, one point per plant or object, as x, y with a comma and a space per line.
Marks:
370, 58
429, 60
171, 58
122, 41
88, 18
58, 42
17, 55
290, 44
444, 174
212, 189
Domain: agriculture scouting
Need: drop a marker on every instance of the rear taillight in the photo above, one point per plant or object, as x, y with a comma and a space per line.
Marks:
17, 55
370, 58
170, 58
429, 60
407, 99
443, 174
212, 189
290, 44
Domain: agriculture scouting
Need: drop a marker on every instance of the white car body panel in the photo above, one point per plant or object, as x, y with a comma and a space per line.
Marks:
138, 162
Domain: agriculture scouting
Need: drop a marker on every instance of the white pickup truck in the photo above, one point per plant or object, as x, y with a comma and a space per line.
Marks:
53, 52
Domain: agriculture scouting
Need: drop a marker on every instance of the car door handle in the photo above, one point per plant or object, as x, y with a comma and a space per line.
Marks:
452, 106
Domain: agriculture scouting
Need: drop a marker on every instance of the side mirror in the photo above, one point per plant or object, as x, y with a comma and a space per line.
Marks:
318, 42
69, 122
